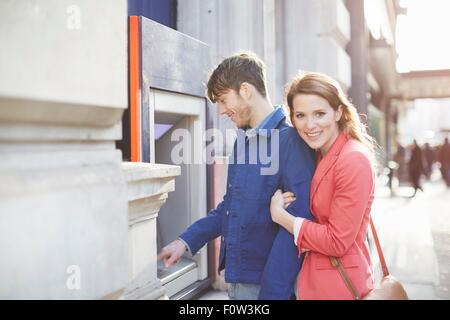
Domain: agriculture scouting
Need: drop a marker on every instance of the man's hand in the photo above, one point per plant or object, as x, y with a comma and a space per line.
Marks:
172, 253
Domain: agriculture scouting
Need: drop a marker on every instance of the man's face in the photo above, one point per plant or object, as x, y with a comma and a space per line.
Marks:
234, 106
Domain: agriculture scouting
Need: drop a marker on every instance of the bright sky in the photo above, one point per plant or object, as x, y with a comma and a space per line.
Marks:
423, 35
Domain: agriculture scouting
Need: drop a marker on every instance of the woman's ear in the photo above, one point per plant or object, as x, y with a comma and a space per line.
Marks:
338, 113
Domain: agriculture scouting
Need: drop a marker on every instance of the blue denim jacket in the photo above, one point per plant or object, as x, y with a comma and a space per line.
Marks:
253, 248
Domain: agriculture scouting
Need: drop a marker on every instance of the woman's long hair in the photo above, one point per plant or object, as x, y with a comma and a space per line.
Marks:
323, 86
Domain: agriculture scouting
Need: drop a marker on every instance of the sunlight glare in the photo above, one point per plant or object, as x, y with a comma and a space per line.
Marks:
423, 36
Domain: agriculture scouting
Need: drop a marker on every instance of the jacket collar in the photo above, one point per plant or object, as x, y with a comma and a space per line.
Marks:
327, 162
271, 122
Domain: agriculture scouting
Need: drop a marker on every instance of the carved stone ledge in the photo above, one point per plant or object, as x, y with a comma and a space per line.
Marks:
148, 188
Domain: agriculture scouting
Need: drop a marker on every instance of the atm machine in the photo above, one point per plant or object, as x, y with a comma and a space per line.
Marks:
167, 74
174, 111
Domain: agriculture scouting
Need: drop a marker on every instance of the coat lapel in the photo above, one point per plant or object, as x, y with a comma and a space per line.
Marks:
327, 162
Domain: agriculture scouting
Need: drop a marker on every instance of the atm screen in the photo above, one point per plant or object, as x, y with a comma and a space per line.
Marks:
161, 129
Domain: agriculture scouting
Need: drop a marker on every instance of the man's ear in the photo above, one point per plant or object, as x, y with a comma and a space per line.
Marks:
245, 91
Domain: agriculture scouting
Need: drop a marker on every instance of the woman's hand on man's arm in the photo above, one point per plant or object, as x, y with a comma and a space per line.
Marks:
278, 212
280, 201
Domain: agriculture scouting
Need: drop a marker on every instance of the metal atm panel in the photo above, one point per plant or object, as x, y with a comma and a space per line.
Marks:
174, 68
188, 202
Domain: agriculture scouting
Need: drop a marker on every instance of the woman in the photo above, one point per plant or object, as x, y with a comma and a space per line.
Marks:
342, 190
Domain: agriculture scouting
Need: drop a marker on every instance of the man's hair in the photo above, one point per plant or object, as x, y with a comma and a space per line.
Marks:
233, 71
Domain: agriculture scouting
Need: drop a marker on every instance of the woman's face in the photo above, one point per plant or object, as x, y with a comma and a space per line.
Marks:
316, 121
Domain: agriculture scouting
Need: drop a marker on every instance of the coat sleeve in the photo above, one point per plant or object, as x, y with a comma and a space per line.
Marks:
205, 229
210, 227
354, 181
283, 264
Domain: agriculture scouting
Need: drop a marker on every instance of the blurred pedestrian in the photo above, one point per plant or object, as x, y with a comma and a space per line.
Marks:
444, 159
416, 167
429, 160
400, 158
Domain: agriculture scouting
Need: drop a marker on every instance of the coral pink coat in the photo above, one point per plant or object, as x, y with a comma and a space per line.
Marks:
342, 192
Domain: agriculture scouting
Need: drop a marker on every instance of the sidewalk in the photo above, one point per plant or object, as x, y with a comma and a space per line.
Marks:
415, 236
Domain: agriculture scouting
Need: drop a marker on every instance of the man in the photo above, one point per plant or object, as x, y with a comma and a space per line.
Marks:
260, 259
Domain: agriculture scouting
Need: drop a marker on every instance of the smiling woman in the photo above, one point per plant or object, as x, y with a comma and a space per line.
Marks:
341, 195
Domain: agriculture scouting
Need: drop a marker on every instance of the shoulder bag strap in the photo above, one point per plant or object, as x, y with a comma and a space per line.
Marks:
337, 264
379, 250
